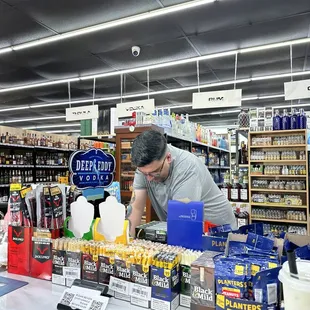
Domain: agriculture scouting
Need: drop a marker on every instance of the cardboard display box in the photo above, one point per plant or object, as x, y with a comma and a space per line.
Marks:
185, 292
90, 267
165, 288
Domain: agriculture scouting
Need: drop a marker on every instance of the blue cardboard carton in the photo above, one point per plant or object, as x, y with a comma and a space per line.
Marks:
185, 223
213, 243
165, 288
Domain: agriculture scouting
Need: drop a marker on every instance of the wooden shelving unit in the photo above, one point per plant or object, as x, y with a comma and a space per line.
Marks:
266, 207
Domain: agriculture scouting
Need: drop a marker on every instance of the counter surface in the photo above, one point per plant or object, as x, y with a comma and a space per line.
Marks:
40, 294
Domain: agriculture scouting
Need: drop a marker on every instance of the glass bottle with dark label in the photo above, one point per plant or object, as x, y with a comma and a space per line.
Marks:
226, 187
235, 192
244, 189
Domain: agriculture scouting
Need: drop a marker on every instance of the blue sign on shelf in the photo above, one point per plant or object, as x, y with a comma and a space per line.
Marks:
92, 168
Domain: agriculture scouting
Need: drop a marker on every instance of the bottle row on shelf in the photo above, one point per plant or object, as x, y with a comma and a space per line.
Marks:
280, 170
286, 121
278, 214
4, 195
278, 141
16, 159
284, 155
276, 230
279, 184
58, 159
16, 176
43, 176
32, 139
127, 185
293, 200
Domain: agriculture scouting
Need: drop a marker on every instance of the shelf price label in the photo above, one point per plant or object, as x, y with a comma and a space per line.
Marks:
140, 291
119, 286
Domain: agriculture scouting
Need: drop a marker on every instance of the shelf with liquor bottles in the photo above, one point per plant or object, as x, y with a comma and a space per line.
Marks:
279, 179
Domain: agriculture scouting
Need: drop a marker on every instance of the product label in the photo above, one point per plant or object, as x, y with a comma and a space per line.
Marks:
185, 280
59, 261
41, 251
90, 268
139, 302
244, 194
122, 270
140, 291
225, 192
140, 274
234, 194
119, 286
18, 234
106, 269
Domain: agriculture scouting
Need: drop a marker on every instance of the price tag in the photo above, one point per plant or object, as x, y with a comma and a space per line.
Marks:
118, 285
140, 291
72, 273
80, 299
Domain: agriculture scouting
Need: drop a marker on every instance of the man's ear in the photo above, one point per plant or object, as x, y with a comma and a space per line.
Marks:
169, 158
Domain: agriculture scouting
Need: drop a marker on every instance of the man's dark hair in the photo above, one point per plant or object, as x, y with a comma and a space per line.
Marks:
148, 146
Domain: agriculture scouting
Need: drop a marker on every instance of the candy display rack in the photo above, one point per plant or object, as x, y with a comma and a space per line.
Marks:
278, 164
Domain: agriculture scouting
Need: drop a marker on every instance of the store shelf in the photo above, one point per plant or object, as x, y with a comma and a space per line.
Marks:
16, 166
35, 147
276, 146
292, 176
280, 221
51, 167
126, 161
243, 165
277, 190
280, 162
278, 132
123, 175
276, 205
218, 167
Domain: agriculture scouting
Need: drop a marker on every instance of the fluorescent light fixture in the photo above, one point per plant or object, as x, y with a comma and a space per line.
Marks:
54, 126
6, 50
63, 131
215, 113
283, 75
14, 109
114, 23
250, 98
20, 120
271, 96
4, 90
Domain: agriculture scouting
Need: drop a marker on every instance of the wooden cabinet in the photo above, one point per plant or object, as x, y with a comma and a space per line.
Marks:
124, 170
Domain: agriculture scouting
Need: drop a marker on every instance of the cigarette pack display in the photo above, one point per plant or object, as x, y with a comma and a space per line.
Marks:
90, 267
15, 205
185, 296
73, 260
19, 249
59, 261
202, 282
106, 269
41, 258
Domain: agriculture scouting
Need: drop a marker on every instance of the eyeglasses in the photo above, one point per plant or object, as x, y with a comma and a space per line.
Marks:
155, 174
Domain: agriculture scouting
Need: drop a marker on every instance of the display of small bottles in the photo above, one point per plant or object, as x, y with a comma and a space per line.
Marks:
279, 184
226, 186
49, 175
235, 189
283, 140
285, 170
297, 120
276, 230
277, 155
127, 185
15, 176
32, 139
23, 160
242, 216
293, 200
57, 159
272, 214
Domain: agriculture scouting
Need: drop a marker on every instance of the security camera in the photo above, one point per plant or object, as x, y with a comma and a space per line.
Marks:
135, 51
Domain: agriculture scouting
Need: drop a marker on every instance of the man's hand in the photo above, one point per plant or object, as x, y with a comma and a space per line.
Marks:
135, 209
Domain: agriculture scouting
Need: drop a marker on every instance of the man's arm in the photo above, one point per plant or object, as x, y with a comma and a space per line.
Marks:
136, 208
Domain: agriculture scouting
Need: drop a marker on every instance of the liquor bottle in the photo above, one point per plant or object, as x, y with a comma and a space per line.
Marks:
277, 121
3, 138
244, 189
294, 122
286, 120
302, 119
235, 189
226, 187
7, 138
242, 216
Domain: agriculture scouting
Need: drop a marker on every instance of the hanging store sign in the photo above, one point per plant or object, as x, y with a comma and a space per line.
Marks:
297, 90
92, 168
82, 113
126, 109
217, 99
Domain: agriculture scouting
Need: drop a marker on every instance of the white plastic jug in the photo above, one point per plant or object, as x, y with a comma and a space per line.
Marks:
296, 291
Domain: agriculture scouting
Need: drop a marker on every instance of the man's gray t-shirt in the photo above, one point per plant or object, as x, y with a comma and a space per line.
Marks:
188, 178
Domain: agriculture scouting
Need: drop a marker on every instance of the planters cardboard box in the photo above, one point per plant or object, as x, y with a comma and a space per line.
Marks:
213, 243
293, 241
227, 303
185, 224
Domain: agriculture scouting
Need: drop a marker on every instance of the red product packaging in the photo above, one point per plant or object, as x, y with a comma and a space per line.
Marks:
47, 207
41, 258
15, 205
57, 206
19, 249
25, 212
